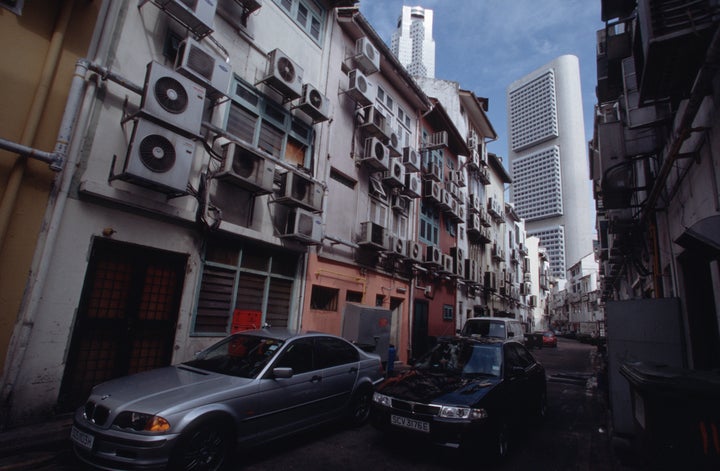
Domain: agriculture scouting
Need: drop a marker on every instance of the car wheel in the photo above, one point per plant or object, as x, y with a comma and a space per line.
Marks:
360, 406
203, 447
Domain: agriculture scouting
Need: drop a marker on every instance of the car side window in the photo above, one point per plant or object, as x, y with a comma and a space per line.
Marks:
518, 355
333, 352
299, 356
511, 357
525, 356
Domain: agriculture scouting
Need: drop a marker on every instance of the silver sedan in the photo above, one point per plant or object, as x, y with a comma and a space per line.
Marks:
249, 388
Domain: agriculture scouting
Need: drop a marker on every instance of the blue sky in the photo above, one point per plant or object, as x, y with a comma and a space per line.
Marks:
485, 45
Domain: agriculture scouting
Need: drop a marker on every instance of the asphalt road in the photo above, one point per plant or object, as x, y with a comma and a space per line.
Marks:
572, 437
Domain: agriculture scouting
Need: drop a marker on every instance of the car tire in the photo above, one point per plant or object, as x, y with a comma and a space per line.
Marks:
360, 406
204, 446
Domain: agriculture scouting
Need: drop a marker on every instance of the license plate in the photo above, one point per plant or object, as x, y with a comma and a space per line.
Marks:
81, 438
412, 424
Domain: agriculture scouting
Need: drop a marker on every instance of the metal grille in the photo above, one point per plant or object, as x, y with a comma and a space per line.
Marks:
415, 407
126, 319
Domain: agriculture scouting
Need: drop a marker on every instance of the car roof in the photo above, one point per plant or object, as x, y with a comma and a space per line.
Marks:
487, 318
283, 333
473, 339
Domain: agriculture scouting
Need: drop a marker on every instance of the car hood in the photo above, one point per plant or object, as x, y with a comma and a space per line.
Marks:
438, 388
163, 389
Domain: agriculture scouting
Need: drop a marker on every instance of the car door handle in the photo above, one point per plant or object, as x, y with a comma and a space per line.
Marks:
316, 379
353, 370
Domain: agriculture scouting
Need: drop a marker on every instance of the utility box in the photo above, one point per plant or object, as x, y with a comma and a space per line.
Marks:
368, 327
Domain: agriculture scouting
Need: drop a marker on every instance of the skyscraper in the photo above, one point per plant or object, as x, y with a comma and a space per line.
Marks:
547, 154
413, 42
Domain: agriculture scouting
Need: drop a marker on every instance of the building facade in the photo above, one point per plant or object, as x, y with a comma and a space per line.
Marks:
238, 164
654, 166
413, 42
546, 154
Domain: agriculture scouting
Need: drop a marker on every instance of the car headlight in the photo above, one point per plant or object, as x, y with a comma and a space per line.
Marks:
142, 422
468, 413
382, 399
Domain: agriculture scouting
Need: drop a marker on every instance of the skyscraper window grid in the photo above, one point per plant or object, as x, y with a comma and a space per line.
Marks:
533, 112
537, 177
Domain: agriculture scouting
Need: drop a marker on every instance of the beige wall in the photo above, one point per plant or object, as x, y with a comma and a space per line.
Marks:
26, 39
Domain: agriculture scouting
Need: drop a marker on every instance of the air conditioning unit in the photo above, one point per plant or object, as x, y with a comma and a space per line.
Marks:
367, 56
473, 224
159, 158
446, 199
413, 185
314, 104
172, 99
411, 159
284, 75
414, 251
198, 15
400, 203
433, 255
204, 67
447, 263
458, 258
244, 166
451, 188
432, 191
299, 190
471, 270
372, 235
397, 246
375, 154
374, 123
432, 171
303, 226
474, 159
394, 144
460, 214
474, 203
472, 140
360, 88
458, 177
395, 175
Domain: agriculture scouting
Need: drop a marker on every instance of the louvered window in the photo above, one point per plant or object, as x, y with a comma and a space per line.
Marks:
244, 278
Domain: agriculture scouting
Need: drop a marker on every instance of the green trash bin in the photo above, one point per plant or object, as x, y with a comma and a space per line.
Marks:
676, 414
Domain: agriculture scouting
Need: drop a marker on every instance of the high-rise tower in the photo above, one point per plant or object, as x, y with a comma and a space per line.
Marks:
413, 42
547, 154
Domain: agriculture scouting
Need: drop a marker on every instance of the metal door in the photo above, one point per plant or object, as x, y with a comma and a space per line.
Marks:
126, 319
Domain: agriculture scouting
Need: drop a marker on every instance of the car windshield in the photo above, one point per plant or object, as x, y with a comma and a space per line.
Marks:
463, 358
485, 329
238, 355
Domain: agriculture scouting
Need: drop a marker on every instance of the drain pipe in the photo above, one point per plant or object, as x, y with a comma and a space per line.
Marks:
12, 190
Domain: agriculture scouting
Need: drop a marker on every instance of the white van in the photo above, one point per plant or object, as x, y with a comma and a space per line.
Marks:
494, 327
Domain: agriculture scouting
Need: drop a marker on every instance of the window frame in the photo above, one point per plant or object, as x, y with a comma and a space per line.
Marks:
262, 114
313, 10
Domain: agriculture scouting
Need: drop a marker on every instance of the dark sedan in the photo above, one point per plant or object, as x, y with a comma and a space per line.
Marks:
248, 388
466, 393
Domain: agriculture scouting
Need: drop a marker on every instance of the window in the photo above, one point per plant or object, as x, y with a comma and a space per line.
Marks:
447, 312
307, 14
247, 278
298, 356
331, 352
260, 121
324, 299
354, 296
429, 224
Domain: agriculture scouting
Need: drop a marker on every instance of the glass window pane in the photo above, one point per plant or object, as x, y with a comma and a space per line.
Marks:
302, 15
241, 123
270, 139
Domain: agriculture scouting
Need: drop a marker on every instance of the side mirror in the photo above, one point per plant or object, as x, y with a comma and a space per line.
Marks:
282, 373
517, 371
511, 334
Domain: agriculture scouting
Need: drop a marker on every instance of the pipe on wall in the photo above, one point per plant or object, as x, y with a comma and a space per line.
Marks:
12, 190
